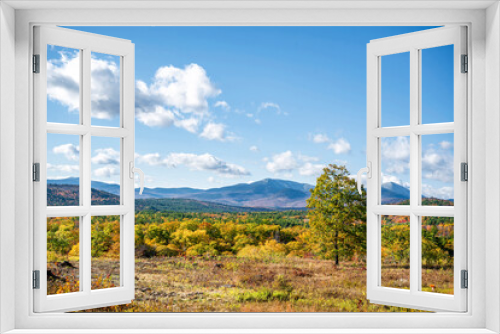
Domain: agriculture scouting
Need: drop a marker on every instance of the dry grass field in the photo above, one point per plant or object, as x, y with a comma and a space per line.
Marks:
235, 284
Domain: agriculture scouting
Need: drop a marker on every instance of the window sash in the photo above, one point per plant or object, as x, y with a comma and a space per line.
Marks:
413, 43
86, 297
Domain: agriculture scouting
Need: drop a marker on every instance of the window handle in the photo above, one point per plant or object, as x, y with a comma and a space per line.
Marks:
368, 171
134, 170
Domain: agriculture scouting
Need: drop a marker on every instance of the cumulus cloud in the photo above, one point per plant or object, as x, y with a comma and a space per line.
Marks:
202, 162
160, 117
254, 148
175, 96
222, 104
309, 169
63, 80
106, 156
271, 105
321, 138
70, 151
63, 84
216, 131
396, 155
340, 146
106, 172
437, 164
105, 87
63, 168
183, 92
287, 162
446, 145
442, 193
282, 162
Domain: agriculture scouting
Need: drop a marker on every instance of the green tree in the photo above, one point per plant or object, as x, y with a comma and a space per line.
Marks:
337, 214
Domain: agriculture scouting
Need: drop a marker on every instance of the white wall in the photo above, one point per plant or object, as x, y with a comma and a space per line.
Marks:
492, 164
7, 160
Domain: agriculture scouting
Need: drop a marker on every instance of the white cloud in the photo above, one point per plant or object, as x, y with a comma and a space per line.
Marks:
340, 146
309, 169
442, 193
222, 104
63, 168
176, 96
106, 172
70, 151
307, 158
391, 178
105, 88
254, 148
437, 165
445, 145
396, 155
321, 138
184, 92
63, 80
188, 124
202, 162
63, 84
286, 162
160, 117
152, 159
106, 156
215, 131
282, 162
271, 105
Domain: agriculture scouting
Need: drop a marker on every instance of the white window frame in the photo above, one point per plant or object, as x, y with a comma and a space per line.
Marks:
414, 43
483, 211
86, 43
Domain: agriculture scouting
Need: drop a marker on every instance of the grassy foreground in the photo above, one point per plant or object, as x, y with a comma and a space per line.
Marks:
235, 284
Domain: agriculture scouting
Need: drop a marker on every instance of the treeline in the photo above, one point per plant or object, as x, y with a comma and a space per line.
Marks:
250, 235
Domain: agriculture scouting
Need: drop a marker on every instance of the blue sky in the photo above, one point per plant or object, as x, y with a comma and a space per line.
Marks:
222, 105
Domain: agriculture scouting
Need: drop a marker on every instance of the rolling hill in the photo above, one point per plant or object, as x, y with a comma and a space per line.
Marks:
267, 193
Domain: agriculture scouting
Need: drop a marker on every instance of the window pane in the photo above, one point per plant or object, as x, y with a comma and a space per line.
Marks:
437, 84
105, 89
437, 170
63, 85
105, 252
105, 171
437, 254
395, 89
63, 170
395, 170
63, 256
395, 252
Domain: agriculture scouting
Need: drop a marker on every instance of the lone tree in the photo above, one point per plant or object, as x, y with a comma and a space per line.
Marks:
337, 215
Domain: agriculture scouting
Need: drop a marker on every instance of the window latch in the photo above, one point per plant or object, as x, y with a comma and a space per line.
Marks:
133, 170
368, 171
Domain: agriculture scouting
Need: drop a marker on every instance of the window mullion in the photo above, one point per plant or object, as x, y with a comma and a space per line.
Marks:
414, 171
85, 246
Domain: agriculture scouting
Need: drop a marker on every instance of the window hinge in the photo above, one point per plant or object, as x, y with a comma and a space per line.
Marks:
36, 63
465, 64
464, 171
465, 279
36, 279
36, 172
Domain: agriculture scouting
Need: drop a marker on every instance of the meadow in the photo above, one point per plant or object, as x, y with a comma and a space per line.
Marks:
244, 262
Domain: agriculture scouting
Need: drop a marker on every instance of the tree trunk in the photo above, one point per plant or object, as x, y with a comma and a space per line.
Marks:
336, 246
